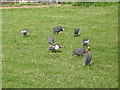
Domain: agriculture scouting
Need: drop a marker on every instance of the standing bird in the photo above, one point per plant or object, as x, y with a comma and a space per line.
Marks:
85, 41
54, 47
87, 57
76, 31
79, 51
51, 40
24, 32
57, 29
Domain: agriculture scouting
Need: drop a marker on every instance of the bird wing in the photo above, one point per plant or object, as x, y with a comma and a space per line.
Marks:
50, 40
78, 51
83, 50
57, 29
87, 59
75, 31
51, 47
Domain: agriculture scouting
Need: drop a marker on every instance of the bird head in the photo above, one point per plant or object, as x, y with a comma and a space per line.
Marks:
88, 48
62, 30
61, 46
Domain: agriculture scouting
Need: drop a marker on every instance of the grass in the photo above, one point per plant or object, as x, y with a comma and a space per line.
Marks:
59, 70
23, 4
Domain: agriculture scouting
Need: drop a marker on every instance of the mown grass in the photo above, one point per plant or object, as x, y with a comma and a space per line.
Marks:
59, 70
23, 4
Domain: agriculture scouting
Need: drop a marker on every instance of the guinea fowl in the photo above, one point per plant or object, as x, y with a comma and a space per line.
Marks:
87, 57
85, 41
24, 32
76, 31
54, 47
57, 29
79, 51
51, 40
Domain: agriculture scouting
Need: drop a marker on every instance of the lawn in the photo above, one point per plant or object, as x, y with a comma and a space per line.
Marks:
59, 70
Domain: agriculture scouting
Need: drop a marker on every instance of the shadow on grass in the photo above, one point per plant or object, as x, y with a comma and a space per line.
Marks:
54, 51
77, 35
58, 33
76, 56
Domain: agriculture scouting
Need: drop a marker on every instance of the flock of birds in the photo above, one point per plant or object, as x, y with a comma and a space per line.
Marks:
77, 51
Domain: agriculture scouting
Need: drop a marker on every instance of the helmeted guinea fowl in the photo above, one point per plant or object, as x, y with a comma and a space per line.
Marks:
57, 29
51, 40
79, 51
85, 41
24, 32
76, 31
54, 47
87, 57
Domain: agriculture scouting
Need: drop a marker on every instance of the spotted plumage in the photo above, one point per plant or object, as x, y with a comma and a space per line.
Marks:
76, 31
87, 57
79, 51
54, 47
57, 29
51, 40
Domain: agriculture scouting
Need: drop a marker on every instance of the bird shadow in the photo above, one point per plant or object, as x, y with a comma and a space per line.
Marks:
76, 35
58, 33
56, 51
76, 56
27, 36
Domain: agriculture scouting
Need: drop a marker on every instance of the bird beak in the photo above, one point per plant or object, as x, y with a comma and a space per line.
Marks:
60, 46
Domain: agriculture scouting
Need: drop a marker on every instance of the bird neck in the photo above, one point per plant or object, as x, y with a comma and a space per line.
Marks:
89, 52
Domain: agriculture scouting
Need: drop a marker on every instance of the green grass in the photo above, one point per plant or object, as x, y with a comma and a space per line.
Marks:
23, 4
59, 70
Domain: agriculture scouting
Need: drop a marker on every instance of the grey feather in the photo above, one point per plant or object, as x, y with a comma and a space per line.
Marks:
78, 51
52, 47
51, 40
76, 31
84, 41
57, 29
86, 59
